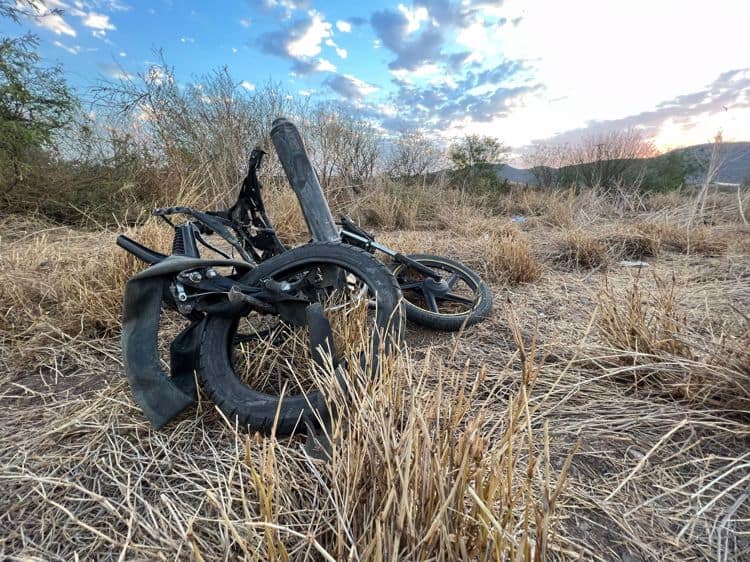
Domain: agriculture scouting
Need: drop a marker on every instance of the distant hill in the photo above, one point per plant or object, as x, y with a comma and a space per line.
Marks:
736, 166
736, 157
517, 175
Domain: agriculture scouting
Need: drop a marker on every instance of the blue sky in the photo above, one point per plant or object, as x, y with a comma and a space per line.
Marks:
519, 70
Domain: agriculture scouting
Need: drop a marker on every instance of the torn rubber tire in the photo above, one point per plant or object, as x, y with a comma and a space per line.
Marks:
259, 411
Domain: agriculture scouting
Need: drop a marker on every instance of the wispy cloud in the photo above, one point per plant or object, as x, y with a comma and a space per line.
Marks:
343, 26
249, 86
729, 92
73, 50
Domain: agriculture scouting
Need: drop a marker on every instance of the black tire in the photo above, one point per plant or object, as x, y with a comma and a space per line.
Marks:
258, 410
476, 312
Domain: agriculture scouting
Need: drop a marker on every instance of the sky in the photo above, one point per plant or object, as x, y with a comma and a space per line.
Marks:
522, 71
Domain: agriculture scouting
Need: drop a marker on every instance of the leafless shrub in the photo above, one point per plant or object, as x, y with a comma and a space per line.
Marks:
413, 154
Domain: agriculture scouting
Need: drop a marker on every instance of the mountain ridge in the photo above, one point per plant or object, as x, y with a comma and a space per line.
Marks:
735, 167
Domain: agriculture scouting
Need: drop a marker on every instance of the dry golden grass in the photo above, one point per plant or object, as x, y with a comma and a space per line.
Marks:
460, 451
578, 249
509, 258
554, 208
650, 328
628, 243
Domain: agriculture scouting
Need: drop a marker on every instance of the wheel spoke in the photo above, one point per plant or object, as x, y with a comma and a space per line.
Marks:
456, 298
431, 302
452, 280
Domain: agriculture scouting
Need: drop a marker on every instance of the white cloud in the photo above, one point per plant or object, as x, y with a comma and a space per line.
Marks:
324, 65
342, 52
120, 74
187, 40
414, 17
249, 86
74, 50
343, 26
306, 93
99, 22
54, 22
123, 54
308, 45
481, 41
234, 49
245, 22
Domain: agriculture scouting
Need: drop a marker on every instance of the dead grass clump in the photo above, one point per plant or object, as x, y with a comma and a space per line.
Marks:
397, 205
286, 216
554, 208
73, 280
646, 324
631, 244
509, 258
693, 240
652, 337
578, 249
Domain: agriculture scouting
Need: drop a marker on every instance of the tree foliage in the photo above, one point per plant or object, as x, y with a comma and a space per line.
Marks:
34, 103
476, 161
668, 172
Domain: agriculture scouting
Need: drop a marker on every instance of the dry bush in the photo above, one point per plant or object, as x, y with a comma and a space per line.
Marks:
578, 249
509, 258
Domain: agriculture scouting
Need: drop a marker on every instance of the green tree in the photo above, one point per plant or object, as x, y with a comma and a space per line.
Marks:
34, 103
667, 172
476, 161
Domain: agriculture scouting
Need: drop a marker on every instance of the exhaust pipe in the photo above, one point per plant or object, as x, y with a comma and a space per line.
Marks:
299, 171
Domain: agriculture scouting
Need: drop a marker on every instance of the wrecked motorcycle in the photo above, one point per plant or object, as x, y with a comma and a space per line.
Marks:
257, 326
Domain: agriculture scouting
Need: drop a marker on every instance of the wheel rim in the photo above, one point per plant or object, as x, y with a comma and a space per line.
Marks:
456, 294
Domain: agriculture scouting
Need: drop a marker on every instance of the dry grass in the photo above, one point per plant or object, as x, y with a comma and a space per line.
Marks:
509, 258
650, 329
628, 245
460, 451
578, 249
